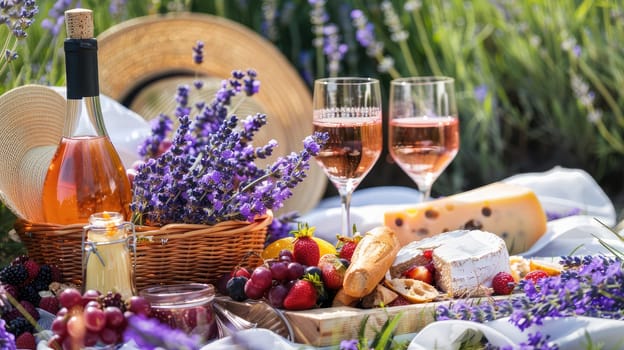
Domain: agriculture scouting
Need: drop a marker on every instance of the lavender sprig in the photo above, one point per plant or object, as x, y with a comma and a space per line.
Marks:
16, 16
149, 334
209, 174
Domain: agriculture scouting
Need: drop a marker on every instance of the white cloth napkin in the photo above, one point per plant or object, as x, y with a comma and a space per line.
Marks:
559, 190
568, 333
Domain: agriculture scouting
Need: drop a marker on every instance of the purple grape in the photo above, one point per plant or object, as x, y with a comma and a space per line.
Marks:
252, 290
285, 254
295, 270
279, 270
262, 278
277, 294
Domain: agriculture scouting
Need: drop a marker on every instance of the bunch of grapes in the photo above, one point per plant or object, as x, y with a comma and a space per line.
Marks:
92, 319
271, 281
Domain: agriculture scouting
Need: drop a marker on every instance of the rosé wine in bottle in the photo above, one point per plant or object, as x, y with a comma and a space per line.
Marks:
86, 175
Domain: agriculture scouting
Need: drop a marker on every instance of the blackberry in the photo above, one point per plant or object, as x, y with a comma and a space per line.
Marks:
40, 285
113, 299
18, 326
14, 275
30, 294
44, 276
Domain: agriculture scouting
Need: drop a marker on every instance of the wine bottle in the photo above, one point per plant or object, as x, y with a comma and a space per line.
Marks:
86, 174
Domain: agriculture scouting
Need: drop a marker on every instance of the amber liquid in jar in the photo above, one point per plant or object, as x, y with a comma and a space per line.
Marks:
86, 176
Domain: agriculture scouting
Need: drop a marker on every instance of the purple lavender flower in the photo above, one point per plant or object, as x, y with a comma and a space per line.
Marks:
116, 6
351, 344
56, 17
7, 339
198, 52
209, 173
149, 334
17, 16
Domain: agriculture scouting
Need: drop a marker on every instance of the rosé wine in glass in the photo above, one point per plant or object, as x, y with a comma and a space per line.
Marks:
349, 111
423, 128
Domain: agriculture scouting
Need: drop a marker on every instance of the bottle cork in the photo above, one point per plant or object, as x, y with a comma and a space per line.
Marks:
79, 23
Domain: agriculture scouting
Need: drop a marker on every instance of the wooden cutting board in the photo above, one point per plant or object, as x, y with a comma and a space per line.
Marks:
328, 326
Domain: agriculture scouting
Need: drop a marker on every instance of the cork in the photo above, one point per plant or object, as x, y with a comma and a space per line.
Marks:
79, 23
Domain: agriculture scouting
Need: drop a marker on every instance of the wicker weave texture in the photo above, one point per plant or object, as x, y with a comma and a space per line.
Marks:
171, 254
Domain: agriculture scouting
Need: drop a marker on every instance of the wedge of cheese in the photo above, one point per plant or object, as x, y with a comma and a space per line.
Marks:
512, 212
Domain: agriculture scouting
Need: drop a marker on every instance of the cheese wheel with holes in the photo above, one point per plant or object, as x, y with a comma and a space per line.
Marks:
511, 211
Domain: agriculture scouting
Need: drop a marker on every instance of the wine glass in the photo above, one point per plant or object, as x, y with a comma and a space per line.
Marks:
349, 110
423, 128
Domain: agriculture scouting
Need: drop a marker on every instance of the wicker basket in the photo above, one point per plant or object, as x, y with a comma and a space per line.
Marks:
169, 254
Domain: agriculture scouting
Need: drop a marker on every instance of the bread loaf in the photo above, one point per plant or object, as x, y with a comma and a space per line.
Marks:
371, 259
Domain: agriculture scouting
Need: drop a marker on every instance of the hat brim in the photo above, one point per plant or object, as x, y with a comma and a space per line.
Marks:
141, 51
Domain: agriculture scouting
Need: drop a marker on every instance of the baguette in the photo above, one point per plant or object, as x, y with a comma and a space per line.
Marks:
371, 259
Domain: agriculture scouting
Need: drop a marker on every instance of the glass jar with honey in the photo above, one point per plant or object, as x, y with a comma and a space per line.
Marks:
107, 243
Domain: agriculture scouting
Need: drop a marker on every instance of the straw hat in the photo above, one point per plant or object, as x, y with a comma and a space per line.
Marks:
142, 61
31, 124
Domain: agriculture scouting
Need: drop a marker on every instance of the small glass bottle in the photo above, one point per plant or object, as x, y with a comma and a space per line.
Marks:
106, 255
187, 307
86, 174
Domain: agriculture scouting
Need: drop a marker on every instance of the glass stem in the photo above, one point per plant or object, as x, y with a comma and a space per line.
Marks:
345, 201
425, 194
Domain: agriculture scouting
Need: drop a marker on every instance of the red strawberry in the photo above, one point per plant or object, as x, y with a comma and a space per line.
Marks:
535, 276
26, 341
301, 296
49, 304
503, 283
305, 250
32, 267
347, 246
428, 254
332, 271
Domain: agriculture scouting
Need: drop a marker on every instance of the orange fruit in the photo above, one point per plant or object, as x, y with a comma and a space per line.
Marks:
551, 269
272, 250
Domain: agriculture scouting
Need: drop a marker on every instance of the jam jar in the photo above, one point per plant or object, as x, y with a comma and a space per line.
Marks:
187, 307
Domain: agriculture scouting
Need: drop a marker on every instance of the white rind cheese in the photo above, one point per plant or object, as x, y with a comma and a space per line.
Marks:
466, 261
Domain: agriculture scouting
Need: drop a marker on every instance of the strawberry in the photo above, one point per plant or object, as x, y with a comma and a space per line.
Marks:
428, 254
302, 294
49, 304
421, 273
535, 276
503, 283
26, 341
332, 271
305, 250
346, 245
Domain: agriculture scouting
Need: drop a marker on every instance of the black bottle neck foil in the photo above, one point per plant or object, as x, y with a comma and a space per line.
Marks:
81, 67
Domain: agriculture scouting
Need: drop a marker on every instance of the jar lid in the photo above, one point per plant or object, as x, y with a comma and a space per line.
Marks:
178, 294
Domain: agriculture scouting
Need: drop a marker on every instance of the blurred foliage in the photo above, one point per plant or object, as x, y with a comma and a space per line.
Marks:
538, 81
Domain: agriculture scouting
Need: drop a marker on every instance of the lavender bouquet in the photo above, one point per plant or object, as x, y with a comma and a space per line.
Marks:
206, 172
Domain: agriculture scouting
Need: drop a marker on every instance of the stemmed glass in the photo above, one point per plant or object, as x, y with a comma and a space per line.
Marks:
423, 128
349, 110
